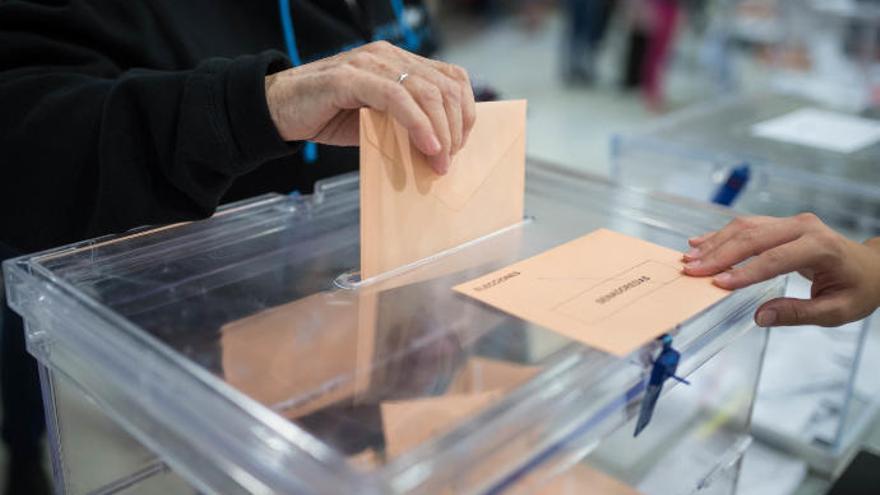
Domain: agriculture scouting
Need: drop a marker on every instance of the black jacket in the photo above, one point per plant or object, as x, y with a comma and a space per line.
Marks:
120, 113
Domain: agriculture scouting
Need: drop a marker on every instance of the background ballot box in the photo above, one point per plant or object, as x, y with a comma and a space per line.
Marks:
241, 354
823, 50
827, 52
779, 155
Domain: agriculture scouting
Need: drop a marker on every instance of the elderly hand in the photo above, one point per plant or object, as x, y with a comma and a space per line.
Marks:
320, 101
845, 274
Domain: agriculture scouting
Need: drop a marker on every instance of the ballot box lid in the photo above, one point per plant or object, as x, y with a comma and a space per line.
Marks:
244, 351
801, 155
814, 143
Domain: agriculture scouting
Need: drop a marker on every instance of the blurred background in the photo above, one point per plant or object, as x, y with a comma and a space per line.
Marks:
593, 67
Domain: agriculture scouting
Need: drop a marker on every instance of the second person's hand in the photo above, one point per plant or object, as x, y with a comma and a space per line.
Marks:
319, 101
845, 274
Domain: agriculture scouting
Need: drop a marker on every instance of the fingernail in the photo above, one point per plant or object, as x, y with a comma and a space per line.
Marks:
434, 145
693, 253
766, 318
723, 278
690, 265
441, 165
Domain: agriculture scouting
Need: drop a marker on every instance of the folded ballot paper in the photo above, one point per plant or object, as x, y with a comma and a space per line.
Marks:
409, 213
605, 289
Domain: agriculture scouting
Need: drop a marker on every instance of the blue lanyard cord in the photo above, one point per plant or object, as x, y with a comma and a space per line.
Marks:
289, 33
410, 38
310, 150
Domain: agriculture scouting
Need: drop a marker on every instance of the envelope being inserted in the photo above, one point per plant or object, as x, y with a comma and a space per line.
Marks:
605, 289
408, 212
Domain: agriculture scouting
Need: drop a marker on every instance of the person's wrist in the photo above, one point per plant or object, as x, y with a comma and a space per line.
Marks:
873, 243
873, 269
273, 102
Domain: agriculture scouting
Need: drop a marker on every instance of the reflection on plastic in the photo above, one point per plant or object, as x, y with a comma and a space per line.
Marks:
263, 353
480, 383
342, 363
411, 423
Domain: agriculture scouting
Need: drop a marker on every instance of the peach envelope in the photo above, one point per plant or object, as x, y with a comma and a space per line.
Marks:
409, 423
481, 382
482, 374
409, 213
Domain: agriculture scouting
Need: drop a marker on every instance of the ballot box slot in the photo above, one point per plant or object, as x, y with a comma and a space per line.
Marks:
351, 280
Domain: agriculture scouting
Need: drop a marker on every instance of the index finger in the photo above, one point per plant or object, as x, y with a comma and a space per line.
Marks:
742, 244
780, 260
707, 243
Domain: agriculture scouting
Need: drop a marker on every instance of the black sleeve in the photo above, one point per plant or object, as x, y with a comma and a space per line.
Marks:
88, 148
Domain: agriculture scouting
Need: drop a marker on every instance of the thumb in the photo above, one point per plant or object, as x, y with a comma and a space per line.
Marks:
787, 311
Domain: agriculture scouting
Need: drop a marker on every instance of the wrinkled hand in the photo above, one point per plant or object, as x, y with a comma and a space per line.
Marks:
319, 101
845, 274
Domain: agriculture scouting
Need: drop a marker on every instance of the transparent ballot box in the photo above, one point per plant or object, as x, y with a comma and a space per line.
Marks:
771, 154
241, 354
